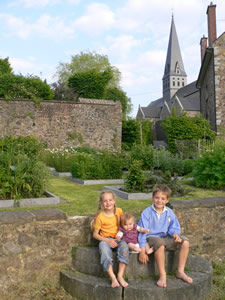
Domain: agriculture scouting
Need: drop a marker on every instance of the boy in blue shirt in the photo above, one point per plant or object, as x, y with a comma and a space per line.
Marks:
164, 233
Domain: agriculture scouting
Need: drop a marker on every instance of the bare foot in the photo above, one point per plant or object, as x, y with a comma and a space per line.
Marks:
184, 277
150, 250
162, 281
122, 281
115, 283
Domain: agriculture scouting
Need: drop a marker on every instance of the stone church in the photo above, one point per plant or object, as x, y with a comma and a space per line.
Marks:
206, 95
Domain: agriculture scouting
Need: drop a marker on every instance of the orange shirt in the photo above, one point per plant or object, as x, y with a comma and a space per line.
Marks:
108, 225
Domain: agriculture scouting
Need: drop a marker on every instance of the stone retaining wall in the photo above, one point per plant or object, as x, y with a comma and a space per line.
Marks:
35, 245
90, 122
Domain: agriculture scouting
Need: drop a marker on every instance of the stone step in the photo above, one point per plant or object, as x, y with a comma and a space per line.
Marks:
83, 286
87, 260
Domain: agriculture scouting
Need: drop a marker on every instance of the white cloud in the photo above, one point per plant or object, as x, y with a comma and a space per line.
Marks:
120, 46
45, 25
34, 3
97, 19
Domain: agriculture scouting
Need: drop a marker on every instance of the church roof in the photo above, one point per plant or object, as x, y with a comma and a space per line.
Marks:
174, 58
153, 109
189, 97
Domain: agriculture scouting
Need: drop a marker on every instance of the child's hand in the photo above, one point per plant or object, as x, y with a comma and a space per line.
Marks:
118, 238
112, 243
176, 237
146, 230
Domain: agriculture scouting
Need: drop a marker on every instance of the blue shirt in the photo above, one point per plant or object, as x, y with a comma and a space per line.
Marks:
161, 225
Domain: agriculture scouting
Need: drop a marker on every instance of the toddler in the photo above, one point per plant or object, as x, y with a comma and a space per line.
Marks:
128, 232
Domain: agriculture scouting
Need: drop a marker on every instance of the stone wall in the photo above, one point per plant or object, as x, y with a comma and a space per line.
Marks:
90, 122
35, 245
219, 65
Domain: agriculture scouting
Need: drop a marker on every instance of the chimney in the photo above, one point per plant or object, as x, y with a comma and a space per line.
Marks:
203, 46
211, 12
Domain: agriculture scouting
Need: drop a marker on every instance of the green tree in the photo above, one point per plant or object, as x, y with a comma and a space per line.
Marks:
22, 87
90, 83
87, 61
5, 67
95, 63
186, 128
116, 94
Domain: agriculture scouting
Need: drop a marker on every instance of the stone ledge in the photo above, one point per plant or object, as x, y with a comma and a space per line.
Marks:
50, 199
22, 217
203, 203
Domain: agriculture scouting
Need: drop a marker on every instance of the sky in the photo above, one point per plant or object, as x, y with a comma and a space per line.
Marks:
38, 35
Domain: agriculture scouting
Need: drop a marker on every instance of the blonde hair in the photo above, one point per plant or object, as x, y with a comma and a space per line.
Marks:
125, 217
163, 188
100, 202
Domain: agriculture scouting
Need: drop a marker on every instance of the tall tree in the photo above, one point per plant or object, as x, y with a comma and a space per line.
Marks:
87, 61
82, 68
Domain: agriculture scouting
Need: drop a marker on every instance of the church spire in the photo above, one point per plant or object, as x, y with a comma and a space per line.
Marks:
174, 74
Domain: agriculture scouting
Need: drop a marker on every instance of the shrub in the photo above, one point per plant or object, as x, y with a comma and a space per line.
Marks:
188, 166
85, 166
166, 161
135, 179
27, 145
143, 153
209, 170
28, 177
103, 165
186, 128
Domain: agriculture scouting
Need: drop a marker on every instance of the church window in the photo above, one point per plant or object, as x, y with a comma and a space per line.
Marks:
182, 83
173, 83
178, 83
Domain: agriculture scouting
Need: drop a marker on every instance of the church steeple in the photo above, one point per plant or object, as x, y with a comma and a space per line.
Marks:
174, 76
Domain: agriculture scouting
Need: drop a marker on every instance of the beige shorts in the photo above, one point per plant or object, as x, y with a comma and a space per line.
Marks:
168, 242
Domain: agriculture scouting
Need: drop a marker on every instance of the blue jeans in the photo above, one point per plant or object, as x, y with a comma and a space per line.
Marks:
122, 251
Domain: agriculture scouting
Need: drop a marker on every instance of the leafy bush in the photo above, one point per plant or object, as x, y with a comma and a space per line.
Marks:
135, 178
136, 132
144, 153
166, 161
209, 170
28, 177
188, 166
104, 165
186, 128
27, 145
19, 87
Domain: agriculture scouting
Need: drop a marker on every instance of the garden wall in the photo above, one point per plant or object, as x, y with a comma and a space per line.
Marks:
94, 123
35, 245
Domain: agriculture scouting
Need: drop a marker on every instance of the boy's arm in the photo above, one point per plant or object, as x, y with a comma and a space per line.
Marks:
174, 226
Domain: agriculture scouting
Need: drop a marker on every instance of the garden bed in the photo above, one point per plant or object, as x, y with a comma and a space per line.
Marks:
97, 181
47, 199
117, 189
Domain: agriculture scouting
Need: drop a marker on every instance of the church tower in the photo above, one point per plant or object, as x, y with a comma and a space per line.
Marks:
174, 76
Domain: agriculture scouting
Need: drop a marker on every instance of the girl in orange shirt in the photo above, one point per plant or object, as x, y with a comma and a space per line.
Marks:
106, 226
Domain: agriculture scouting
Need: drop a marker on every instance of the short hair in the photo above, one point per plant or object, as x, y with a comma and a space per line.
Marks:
163, 188
125, 217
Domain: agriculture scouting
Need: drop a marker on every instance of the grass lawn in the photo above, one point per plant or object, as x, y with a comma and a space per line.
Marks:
83, 199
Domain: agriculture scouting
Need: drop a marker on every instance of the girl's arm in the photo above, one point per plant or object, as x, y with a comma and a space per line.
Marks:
142, 230
112, 243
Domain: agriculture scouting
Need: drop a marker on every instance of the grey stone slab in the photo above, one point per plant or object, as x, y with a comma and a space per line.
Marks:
60, 174
16, 217
86, 287
87, 260
6, 203
128, 196
48, 214
97, 181
205, 202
